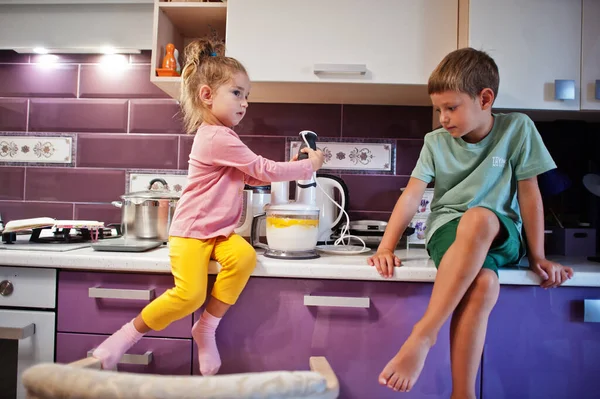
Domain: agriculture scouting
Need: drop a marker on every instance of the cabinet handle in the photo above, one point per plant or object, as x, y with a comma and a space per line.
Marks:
112, 293
337, 301
591, 313
127, 358
17, 333
597, 96
564, 89
352, 69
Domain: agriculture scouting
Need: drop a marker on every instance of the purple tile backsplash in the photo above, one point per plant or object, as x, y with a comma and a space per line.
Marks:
133, 81
36, 80
11, 183
78, 115
155, 116
127, 151
121, 122
13, 114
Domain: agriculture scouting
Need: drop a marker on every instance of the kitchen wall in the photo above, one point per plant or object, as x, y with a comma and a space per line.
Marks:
119, 123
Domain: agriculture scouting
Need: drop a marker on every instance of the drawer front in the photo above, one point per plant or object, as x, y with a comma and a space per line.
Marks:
162, 355
26, 346
27, 287
114, 300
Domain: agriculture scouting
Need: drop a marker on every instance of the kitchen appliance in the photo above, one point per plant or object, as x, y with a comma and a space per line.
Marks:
27, 323
292, 227
254, 201
147, 215
329, 214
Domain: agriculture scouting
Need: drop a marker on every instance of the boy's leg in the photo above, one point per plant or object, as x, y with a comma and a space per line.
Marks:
476, 231
237, 259
467, 332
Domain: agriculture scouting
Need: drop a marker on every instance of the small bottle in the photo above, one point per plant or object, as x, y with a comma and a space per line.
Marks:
169, 62
176, 52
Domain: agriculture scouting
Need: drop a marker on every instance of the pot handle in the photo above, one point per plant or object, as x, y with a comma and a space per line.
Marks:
158, 180
118, 204
254, 236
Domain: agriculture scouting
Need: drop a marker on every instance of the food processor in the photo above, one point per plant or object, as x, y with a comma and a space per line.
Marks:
292, 227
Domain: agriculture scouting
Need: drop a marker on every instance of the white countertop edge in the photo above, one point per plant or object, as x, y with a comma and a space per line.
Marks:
417, 267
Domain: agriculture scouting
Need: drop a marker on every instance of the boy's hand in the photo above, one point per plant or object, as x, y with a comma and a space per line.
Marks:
384, 261
316, 157
553, 274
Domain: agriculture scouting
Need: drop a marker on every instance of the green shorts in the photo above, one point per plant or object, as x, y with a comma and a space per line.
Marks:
505, 250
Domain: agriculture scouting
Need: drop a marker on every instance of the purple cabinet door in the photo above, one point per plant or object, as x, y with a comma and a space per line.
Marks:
268, 329
79, 313
538, 345
169, 356
358, 342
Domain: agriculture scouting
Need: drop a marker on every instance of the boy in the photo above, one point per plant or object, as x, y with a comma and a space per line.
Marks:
485, 168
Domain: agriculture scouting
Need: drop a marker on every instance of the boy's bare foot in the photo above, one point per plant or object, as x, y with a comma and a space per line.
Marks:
401, 373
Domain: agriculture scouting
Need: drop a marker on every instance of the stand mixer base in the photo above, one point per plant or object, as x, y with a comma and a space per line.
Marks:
291, 255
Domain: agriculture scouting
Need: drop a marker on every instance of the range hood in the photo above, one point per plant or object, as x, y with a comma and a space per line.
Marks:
76, 26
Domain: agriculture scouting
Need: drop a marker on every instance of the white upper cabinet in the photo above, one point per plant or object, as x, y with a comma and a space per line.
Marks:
341, 41
534, 43
590, 56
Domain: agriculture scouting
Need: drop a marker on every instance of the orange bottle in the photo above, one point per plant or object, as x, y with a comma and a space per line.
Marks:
169, 62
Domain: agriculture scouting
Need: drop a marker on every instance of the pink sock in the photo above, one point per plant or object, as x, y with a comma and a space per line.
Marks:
114, 347
203, 332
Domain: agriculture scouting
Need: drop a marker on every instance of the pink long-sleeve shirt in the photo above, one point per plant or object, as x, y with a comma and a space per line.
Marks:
219, 166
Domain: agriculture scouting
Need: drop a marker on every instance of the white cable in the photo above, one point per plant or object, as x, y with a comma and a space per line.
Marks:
345, 228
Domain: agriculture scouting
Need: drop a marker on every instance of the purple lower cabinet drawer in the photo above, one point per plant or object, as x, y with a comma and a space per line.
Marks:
116, 298
168, 356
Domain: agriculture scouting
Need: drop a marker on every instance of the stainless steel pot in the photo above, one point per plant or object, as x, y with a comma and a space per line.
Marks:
148, 214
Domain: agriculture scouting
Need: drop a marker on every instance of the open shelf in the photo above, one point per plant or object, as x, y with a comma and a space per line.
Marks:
193, 19
179, 23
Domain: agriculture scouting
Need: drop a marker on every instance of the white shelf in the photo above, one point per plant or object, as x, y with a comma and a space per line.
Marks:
194, 19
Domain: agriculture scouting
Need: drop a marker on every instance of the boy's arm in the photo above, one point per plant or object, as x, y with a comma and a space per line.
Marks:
532, 211
406, 207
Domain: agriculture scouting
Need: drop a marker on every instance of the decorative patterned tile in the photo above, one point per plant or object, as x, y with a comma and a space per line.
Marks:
354, 155
36, 149
141, 181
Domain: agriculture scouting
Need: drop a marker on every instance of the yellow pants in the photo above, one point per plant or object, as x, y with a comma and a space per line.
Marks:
189, 265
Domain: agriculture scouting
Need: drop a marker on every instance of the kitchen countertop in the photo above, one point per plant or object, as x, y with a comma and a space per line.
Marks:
416, 266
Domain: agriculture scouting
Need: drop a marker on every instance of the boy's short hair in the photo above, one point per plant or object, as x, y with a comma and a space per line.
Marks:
465, 70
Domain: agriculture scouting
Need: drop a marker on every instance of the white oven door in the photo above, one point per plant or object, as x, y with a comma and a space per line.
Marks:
26, 338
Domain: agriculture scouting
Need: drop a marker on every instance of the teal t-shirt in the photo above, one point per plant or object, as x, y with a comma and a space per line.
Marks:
482, 174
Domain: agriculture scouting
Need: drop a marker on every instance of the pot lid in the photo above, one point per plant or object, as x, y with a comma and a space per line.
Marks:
293, 207
150, 193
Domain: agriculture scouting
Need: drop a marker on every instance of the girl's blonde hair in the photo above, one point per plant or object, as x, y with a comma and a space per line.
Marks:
205, 64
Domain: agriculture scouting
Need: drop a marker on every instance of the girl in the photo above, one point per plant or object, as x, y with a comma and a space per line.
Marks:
214, 96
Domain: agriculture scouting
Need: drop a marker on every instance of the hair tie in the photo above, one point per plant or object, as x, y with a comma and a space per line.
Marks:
213, 54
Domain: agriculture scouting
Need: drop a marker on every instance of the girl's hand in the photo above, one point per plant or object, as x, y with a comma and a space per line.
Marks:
316, 157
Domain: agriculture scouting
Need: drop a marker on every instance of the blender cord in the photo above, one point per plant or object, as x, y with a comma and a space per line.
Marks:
344, 232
